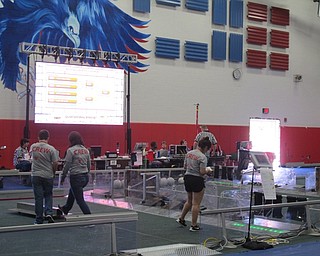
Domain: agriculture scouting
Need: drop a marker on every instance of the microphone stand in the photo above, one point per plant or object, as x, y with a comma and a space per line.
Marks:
250, 244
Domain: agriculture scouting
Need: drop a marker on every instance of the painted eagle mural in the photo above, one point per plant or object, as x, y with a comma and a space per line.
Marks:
88, 24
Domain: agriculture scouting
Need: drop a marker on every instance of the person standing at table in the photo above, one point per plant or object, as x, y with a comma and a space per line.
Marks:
44, 165
195, 164
77, 164
184, 142
206, 133
163, 152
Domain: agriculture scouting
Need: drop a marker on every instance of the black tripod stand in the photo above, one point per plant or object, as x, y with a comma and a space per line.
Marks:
250, 244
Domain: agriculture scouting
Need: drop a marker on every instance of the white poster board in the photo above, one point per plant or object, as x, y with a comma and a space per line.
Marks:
268, 186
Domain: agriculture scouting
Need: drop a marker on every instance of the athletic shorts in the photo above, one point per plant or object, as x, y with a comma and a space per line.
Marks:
193, 183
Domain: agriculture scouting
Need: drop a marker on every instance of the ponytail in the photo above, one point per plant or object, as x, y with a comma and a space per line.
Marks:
204, 142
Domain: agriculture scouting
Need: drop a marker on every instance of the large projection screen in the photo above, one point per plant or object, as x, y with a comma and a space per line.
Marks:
74, 94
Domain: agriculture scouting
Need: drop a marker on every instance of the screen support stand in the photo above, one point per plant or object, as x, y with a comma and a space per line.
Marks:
250, 244
128, 114
26, 133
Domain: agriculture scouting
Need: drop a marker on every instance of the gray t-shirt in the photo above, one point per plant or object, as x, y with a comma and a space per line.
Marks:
163, 153
193, 161
77, 161
43, 156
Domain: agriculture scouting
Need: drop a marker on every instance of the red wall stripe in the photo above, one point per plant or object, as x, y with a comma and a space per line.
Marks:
257, 12
279, 38
293, 139
294, 147
256, 35
256, 59
108, 136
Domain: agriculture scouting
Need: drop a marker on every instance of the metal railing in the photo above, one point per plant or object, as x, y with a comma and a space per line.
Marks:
222, 211
82, 220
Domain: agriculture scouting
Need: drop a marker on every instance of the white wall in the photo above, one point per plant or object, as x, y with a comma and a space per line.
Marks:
172, 87
11, 107
167, 92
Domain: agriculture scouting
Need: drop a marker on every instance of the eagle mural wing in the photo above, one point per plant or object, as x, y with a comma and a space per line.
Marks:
105, 27
89, 24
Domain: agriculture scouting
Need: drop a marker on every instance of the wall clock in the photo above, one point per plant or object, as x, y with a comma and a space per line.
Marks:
237, 74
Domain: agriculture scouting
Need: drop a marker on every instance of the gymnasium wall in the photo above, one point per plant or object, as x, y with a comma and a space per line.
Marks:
298, 144
163, 98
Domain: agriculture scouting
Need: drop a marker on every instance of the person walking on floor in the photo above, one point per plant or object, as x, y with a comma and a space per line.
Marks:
77, 164
44, 165
195, 164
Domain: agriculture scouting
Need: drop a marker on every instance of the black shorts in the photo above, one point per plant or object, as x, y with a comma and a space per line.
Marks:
193, 183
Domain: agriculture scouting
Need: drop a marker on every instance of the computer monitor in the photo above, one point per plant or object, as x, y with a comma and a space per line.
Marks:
177, 150
181, 149
96, 151
260, 159
140, 146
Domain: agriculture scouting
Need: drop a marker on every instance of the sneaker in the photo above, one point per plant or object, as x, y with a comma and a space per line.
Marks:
60, 218
60, 209
181, 222
37, 223
194, 228
49, 218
